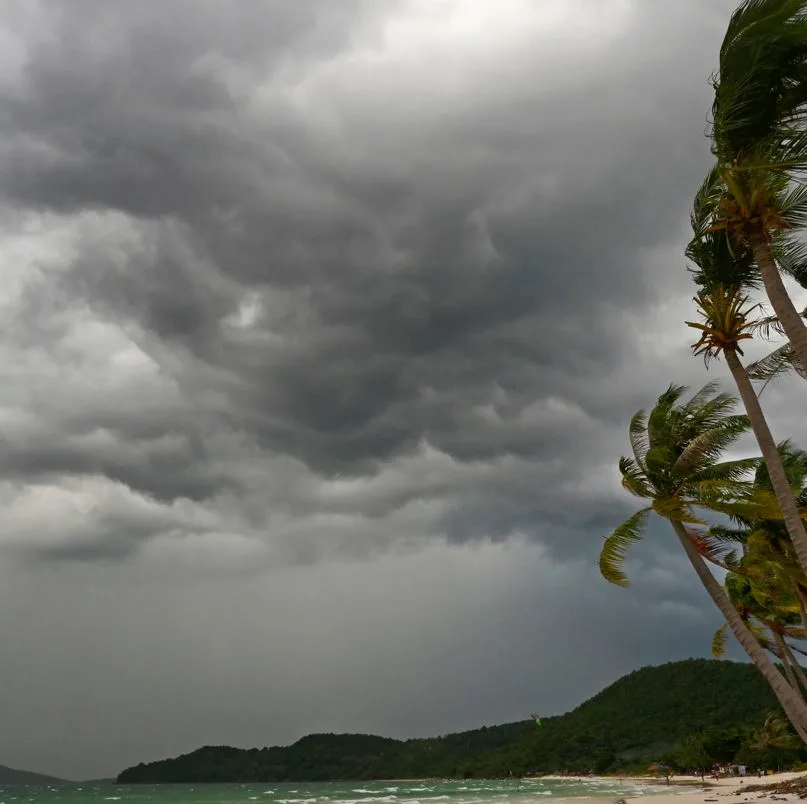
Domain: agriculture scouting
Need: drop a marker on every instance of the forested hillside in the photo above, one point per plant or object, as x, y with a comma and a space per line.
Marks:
14, 776
641, 716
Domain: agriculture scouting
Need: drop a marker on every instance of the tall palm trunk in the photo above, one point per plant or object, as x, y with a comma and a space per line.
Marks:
802, 608
793, 705
792, 323
781, 654
773, 460
797, 668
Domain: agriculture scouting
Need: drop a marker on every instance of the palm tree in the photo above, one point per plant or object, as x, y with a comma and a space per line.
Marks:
773, 736
759, 140
727, 321
675, 467
767, 552
767, 606
723, 271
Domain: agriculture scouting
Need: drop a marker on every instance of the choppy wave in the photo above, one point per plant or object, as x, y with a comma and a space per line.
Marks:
419, 791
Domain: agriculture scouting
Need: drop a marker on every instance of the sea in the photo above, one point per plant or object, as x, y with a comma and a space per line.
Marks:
516, 791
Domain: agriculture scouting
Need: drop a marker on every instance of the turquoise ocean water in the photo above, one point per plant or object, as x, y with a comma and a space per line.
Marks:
409, 792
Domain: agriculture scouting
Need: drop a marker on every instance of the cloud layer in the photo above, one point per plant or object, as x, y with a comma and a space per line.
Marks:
328, 295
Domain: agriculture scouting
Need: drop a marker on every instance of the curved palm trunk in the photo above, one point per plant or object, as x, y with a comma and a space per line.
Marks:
793, 705
802, 609
781, 654
798, 669
773, 460
792, 323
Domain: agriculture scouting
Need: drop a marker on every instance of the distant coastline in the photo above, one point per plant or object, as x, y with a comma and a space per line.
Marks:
621, 730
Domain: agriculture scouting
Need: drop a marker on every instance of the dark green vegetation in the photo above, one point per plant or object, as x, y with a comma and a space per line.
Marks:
13, 776
645, 716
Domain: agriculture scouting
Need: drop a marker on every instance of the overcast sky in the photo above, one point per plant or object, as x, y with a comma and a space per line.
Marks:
322, 321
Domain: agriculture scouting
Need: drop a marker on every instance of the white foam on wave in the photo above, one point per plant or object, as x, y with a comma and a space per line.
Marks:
366, 800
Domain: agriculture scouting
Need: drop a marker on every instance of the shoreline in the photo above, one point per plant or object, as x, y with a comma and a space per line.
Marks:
734, 789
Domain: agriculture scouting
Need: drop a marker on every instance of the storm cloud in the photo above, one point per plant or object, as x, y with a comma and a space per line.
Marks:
321, 324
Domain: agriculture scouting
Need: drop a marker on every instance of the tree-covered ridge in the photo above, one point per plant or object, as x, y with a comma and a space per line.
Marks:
641, 716
21, 777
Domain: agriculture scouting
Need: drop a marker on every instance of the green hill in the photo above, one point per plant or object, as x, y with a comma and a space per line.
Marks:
640, 716
13, 776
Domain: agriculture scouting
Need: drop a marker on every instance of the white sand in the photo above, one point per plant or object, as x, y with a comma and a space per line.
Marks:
721, 791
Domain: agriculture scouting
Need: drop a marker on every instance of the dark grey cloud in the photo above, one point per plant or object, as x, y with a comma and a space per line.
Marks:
316, 289
433, 641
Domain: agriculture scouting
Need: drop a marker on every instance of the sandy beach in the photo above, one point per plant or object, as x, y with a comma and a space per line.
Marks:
690, 790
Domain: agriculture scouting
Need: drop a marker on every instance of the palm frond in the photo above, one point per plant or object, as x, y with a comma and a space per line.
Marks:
749, 509
639, 442
700, 398
766, 327
776, 364
790, 253
616, 546
718, 551
761, 59
794, 461
657, 421
793, 205
728, 535
714, 413
702, 451
634, 479
677, 510
706, 201
721, 262
719, 642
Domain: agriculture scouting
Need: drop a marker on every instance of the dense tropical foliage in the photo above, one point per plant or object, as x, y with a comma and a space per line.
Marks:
646, 716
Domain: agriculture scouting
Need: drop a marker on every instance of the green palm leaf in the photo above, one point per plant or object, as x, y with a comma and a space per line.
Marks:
701, 452
778, 363
634, 479
637, 432
616, 546
758, 90
719, 642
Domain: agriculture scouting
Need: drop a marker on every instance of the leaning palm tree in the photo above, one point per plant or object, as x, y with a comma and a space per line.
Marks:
759, 140
774, 735
760, 549
676, 468
779, 362
766, 604
727, 321
723, 271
